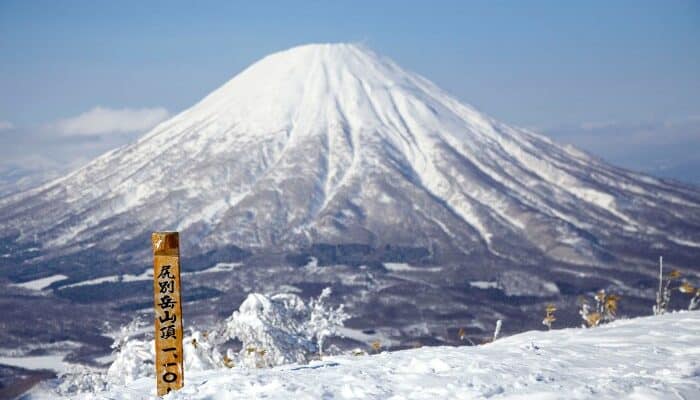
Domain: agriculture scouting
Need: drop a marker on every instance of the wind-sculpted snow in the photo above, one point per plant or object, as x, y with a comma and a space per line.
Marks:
335, 144
644, 358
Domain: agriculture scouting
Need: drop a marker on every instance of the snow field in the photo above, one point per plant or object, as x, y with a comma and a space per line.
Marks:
42, 283
644, 358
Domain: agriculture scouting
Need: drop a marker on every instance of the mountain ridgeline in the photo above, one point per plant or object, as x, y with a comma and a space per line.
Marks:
334, 145
330, 155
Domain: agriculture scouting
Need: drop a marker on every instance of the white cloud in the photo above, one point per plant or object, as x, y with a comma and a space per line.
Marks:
102, 120
6, 125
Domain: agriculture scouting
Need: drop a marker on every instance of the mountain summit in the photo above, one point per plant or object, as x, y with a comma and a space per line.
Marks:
329, 166
333, 144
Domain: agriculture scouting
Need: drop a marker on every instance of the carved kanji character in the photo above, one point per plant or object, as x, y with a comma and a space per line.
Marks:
167, 286
167, 317
165, 273
166, 302
168, 332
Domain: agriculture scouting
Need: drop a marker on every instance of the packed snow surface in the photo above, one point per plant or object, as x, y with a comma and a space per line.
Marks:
644, 358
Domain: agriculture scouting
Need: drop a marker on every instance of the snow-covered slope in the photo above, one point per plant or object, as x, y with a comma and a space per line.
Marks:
644, 358
334, 144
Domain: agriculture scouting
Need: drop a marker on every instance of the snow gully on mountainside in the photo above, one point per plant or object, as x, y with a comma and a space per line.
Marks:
331, 143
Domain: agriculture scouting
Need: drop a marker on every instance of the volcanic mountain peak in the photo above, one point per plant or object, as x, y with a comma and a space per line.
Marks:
329, 166
334, 144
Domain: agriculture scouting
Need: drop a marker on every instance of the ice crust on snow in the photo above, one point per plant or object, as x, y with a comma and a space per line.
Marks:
650, 358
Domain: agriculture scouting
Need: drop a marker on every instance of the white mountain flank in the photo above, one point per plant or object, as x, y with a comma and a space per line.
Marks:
332, 143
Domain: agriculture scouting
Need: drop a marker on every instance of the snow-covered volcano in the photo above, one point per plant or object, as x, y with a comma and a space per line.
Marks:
334, 144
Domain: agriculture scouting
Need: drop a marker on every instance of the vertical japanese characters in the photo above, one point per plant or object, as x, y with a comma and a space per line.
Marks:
168, 311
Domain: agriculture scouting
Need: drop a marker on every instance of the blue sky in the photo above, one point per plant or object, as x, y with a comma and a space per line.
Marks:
619, 79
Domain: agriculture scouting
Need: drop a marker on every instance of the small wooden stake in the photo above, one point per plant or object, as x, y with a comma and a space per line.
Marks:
168, 311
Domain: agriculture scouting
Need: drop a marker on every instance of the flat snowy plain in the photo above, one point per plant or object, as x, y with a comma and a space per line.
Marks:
643, 358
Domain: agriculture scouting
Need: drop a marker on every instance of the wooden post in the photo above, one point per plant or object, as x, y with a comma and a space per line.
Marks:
168, 311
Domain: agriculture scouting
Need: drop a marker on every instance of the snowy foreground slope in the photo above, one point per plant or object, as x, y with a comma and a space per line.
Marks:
643, 358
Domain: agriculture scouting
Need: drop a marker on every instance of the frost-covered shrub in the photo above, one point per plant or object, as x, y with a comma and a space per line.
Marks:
271, 330
663, 294
134, 360
666, 288
549, 316
691, 290
282, 329
274, 330
201, 353
135, 328
80, 379
324, 320
694, 301
133, 352
604, 310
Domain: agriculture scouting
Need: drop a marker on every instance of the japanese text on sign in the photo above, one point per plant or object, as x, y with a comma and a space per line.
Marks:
168, 312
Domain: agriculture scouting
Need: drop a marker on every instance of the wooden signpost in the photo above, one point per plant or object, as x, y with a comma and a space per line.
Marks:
168, 311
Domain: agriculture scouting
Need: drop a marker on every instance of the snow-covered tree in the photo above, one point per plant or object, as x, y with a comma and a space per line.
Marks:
271, 330
126, 332
81, 379
133, 352
282, 329
133, 360
274, 330
324, 320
